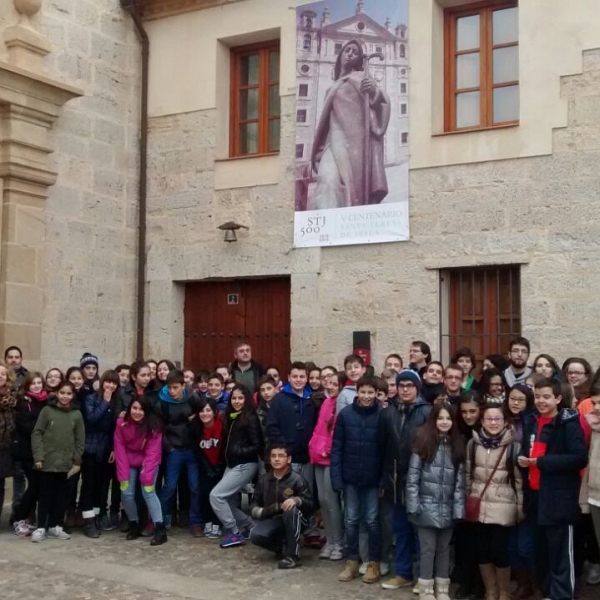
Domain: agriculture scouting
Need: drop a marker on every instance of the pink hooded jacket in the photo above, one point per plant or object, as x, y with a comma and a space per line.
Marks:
322, 438
133, 449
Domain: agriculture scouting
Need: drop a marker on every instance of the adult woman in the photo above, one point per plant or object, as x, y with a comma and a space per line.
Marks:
8, 403
243, 446
138, 450
494, 480
343, 133
578, 372
493, 386
546, 366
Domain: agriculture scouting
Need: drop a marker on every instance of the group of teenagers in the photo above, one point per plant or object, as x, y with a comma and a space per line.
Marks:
503, 469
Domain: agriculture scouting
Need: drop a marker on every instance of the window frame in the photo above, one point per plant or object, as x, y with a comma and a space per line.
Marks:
487, 86
264, 83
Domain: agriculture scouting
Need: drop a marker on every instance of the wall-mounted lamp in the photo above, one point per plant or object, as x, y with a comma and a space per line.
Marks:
230, 228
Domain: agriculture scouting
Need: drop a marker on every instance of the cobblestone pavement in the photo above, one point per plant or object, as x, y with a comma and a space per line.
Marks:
111, 568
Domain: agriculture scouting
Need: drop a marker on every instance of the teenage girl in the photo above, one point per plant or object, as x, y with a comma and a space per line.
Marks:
8, 403
53, 379
57, 442
435, 497
319, 449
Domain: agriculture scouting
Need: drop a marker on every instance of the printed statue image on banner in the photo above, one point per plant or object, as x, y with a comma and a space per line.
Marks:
352, 123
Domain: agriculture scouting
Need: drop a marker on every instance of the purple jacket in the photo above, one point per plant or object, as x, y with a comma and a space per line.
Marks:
134, 449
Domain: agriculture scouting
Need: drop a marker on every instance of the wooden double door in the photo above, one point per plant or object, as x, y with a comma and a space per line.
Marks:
218, 314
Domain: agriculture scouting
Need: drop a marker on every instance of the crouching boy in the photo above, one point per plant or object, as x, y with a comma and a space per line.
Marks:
281, 505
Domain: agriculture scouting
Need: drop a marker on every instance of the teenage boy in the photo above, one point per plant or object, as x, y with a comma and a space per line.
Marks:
216, 391
554, 453
188, 374
382, 391
223, 371
282, 501
397, 429
394, 362
243, 369
267, 390
356, 470
89, 367
291, 421
433, 381
389, 375
176, 406
453, 377
518, 371
419, 357
354, 367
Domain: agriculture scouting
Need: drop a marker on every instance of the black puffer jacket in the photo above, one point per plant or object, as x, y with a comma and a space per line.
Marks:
243, 440
28, 410
435, 491
176, 416
100, 420
397, 428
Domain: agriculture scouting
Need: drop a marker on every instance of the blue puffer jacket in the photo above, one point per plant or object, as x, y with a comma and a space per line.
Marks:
99, 419
355, 458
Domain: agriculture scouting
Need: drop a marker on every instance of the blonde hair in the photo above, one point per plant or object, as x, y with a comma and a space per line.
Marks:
11, 378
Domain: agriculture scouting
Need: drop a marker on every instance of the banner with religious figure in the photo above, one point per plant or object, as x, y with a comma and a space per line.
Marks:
352, 123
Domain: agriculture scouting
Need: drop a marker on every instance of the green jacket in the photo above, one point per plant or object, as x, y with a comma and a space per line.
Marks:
58, 439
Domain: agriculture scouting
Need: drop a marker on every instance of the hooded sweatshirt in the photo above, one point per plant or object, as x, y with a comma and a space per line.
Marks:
346, 396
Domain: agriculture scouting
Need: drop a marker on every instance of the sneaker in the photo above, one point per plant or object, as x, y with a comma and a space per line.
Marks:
215, 533
39, 535
384, 568
246, 531
326, 551
22, 528
396, 582
105, 523
58, 533
593, 575
233, 539
197, 531
363, 568
416, 589
289, 562
337, 553
207, 529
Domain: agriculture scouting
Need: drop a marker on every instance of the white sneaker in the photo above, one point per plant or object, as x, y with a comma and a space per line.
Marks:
326, 551
207, 528
363, 568
215, 533
39, 535
58, 533
416, 589
337, 553
384, 568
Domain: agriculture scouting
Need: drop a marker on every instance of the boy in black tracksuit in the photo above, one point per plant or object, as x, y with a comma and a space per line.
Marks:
281, 505
553, 454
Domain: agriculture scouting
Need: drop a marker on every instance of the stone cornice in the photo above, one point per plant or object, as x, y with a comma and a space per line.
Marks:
157, 9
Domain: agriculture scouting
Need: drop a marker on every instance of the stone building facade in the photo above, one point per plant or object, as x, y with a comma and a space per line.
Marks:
527, 195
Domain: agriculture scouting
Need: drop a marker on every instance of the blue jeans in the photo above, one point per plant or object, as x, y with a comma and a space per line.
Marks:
174, 461
150, 498
362, 504
406, 542
521, 546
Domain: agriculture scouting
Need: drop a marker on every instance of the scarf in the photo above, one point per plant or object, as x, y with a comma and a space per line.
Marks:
39, 396
235, 415
490, 442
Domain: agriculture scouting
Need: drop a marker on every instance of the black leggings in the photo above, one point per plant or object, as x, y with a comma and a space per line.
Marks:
492, 545
31, 495
94, 474
54, 497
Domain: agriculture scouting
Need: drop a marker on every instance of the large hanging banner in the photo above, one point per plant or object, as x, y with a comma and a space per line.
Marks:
352, 123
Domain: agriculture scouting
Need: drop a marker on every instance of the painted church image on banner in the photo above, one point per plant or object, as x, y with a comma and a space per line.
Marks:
319, 44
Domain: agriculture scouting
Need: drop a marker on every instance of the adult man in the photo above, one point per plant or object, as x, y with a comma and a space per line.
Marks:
419, 357
453, 377
518, 371
13, 357
397, 428
243, 369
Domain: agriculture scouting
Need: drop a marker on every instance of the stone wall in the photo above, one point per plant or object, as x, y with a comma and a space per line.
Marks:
90, 256
542, 211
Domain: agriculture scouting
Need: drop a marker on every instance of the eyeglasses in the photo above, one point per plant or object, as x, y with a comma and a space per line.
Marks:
494, 419
406, 386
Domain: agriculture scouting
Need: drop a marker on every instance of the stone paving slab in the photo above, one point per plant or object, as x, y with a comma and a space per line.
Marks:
185, 568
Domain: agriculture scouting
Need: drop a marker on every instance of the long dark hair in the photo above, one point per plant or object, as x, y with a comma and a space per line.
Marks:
427, 438
109, 376
557, 372
248, 408
150, 423
486, 378
583, 391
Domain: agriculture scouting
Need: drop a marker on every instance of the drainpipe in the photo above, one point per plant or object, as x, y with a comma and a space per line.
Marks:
129, 7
